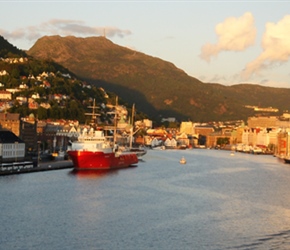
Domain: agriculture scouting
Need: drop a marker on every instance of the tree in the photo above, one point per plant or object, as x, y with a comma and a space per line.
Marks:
74, 111
15, 73
42, 113
223, 141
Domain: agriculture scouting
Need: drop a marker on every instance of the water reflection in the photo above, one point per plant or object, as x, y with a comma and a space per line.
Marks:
93, 174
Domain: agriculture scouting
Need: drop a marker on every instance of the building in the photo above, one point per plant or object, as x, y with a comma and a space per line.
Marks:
5, 95
267, 122
186, 127
202, 132
12, 148
10, 121
28, 132
283, 145
225, 133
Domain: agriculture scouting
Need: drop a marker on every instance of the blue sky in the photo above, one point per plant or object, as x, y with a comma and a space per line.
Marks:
226, 42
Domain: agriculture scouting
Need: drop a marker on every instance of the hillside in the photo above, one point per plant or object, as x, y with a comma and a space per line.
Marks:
9, 50
47, 89
158, 88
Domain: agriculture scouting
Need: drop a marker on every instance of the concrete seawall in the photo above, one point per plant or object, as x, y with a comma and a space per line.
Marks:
42, 166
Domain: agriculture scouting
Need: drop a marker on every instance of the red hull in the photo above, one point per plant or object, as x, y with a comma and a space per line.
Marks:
87, 160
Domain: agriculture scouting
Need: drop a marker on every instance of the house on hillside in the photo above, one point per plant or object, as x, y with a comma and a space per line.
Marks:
45, 84
3, 73
5, 95
21, 99
33, 105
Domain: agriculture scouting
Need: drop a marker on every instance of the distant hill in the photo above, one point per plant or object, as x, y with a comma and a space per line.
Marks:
9, 50
157, 87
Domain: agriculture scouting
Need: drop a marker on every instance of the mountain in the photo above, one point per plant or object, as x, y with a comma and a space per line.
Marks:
9, 50
59, 94
157, 87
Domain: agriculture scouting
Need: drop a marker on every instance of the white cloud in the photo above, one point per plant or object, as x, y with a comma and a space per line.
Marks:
234, 34
62, 27
275, 45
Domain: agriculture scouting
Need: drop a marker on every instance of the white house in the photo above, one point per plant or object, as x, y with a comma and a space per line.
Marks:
3, 73
21, 99
12, 148
35, 96
23, 86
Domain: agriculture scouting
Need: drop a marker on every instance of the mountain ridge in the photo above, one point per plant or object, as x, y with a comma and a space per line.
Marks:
157, 87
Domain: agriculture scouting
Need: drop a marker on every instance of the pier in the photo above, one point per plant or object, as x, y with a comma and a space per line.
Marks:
28, 167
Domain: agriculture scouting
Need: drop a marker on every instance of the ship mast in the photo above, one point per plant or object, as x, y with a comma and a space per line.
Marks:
93, 114
115, 121
131, 129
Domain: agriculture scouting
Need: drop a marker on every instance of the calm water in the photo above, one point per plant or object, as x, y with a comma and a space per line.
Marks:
215, 201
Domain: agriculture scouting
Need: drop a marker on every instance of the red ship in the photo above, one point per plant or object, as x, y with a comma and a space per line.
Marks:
92, 151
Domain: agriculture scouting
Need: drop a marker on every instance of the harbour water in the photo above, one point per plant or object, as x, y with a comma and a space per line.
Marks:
214, 201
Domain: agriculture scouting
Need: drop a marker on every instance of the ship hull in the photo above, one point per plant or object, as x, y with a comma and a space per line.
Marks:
87, 160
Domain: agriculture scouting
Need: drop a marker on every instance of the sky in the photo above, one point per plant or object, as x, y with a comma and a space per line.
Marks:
225, 42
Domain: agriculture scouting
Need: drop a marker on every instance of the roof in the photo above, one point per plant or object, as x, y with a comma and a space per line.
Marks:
9, 137
9, 116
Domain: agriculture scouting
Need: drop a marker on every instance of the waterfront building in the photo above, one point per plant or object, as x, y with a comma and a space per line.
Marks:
12, 148
182, 139
283, 145
202, 132
261, 137
28, 132
10, 121
187, 128
224, 134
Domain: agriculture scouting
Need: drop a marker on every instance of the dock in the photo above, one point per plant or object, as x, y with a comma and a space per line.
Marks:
30, 168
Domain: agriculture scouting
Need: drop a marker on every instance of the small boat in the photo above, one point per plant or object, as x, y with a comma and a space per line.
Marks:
182, 160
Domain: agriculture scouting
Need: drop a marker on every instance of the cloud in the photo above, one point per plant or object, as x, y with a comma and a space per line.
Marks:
276, 48
234, 34
62, 27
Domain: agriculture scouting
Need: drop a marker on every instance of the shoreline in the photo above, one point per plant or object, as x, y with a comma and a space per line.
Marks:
43, 166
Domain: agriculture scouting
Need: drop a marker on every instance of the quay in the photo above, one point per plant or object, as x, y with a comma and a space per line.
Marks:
30, 168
